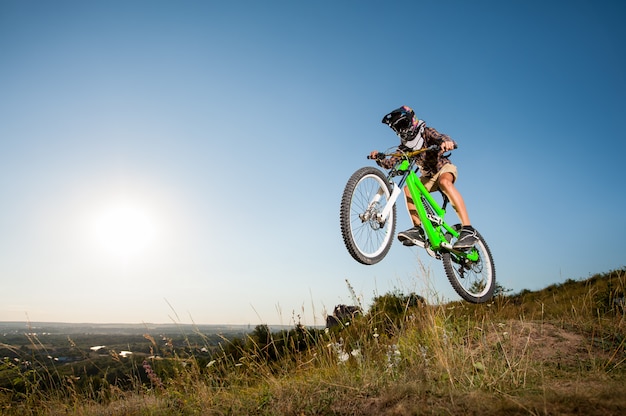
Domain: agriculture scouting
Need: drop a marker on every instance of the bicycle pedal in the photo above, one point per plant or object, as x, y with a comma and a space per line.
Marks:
418, 243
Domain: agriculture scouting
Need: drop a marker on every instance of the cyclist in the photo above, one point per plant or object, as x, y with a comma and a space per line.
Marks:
438, 173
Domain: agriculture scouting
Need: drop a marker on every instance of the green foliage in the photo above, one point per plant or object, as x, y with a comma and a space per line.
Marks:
611, 296
268, 347
389, 312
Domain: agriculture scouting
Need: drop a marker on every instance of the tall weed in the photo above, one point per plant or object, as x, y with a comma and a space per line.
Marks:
555, 351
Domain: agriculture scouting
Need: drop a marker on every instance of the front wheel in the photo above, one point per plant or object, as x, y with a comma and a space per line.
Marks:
474, 281
366, 194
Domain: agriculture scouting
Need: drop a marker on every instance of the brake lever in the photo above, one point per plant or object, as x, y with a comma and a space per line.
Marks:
438, 146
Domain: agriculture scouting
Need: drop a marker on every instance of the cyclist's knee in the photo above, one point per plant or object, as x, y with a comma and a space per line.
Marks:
446, 181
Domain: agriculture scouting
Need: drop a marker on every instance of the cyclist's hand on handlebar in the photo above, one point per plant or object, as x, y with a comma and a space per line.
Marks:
381, 159
375, 154
447, 146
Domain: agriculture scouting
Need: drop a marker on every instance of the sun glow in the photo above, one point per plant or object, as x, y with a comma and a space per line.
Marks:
124, 229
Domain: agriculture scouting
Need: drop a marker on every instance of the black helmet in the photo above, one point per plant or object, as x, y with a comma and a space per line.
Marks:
403, 121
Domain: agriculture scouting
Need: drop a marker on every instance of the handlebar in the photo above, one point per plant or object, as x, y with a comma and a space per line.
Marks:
381, 156
434, 147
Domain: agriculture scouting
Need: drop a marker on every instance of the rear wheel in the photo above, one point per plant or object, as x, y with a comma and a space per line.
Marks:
474, 281
366, 194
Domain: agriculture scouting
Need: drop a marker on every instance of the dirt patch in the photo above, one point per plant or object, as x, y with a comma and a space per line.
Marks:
530, 348
540, 341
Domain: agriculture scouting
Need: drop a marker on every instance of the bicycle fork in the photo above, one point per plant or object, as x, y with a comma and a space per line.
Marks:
381, 217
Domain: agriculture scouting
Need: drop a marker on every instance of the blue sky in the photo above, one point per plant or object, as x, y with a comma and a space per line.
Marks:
221, 134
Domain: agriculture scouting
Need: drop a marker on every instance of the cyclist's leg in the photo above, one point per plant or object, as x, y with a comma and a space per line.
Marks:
445, 182
414, 235
410, 206
429, 183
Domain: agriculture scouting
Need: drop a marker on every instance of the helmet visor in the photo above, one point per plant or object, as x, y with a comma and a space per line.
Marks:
402, 123
400, 119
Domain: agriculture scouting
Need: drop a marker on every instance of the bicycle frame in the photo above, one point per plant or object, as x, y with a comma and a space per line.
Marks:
434, 225
368, 220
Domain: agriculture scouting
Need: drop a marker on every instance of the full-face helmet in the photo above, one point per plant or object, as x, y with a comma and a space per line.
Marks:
408, 127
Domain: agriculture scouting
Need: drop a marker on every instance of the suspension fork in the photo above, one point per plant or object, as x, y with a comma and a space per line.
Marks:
382, 216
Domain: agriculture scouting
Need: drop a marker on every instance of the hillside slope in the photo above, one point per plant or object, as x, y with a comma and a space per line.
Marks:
558, 351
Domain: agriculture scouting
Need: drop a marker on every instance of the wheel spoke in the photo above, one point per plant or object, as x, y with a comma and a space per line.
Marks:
364, 198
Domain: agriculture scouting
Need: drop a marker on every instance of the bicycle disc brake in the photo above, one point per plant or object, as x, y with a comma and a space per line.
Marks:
371, 216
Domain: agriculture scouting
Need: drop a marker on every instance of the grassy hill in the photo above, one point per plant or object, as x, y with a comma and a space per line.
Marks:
557, 351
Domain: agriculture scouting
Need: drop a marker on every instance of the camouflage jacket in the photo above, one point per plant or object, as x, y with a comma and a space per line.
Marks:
431, 162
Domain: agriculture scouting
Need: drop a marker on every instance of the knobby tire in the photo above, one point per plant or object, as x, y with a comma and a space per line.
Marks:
367, 241
473, 281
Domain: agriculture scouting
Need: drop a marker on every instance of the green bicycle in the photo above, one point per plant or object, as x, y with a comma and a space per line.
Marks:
368, 222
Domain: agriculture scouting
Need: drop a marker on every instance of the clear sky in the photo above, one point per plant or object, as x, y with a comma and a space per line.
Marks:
184, 160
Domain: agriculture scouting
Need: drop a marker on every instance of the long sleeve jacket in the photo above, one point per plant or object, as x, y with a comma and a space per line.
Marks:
431, 162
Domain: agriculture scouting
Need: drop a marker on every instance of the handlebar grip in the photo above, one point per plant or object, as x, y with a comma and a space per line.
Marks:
438, 146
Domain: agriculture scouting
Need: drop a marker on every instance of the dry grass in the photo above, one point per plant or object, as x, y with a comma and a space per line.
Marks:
559, 351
